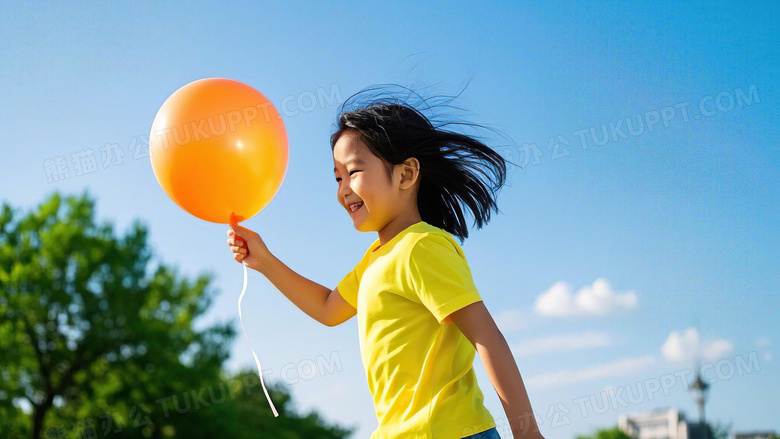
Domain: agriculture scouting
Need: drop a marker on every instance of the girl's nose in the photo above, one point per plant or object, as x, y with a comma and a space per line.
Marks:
344, 190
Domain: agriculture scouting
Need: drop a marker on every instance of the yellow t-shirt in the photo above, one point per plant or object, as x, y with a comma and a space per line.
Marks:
418, 364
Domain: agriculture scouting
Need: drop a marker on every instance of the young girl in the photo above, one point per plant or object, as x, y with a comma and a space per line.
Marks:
420, 316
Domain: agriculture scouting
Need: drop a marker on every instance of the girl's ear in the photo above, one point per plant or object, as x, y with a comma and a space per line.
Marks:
410, 172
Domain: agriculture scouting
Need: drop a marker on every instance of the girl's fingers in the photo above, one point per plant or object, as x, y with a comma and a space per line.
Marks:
236, 241
236, 249
237, 245
232, 233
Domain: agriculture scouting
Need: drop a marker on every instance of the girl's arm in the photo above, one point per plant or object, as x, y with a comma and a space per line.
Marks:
318, 301
476, 323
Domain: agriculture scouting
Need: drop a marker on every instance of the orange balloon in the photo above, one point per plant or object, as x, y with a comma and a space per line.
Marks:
219, 149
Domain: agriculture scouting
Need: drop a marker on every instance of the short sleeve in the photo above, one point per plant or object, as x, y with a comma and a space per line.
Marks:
348, 287
440, 276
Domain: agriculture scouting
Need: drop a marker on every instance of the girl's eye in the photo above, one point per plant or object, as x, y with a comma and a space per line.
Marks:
350, 173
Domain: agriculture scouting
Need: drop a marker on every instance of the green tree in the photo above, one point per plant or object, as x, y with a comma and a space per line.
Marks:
719, 430
94, 338
612, 433
251, 418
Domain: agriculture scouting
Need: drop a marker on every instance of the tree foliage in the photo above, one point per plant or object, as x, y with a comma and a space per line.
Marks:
719, 430
94, 338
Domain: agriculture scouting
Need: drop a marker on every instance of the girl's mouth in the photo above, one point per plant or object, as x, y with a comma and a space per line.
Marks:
355, 206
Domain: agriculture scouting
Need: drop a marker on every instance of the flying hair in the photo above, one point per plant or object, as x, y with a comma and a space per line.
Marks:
458, 172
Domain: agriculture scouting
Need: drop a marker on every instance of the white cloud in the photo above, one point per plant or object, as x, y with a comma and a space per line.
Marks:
763, 342
607, 370
596, 299
767, 357
556, 343
684, 346
511, 321
715, 350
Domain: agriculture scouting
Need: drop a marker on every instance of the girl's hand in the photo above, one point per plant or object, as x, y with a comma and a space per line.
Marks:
247, 246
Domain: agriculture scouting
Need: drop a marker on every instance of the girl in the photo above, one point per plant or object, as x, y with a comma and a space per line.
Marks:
420, 316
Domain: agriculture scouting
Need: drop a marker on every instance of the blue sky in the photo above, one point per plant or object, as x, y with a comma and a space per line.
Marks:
642, 229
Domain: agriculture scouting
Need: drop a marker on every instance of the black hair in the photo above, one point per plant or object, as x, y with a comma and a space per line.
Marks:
451, 163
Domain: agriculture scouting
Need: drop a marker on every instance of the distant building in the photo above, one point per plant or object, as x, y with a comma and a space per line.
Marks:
661, 424
755, 435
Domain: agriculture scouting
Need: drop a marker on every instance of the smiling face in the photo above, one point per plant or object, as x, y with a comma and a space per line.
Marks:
362, 178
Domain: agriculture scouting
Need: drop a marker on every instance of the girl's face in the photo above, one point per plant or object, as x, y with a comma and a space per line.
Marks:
363, 182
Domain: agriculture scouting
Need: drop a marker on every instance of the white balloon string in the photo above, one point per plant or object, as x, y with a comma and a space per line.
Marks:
257, 362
